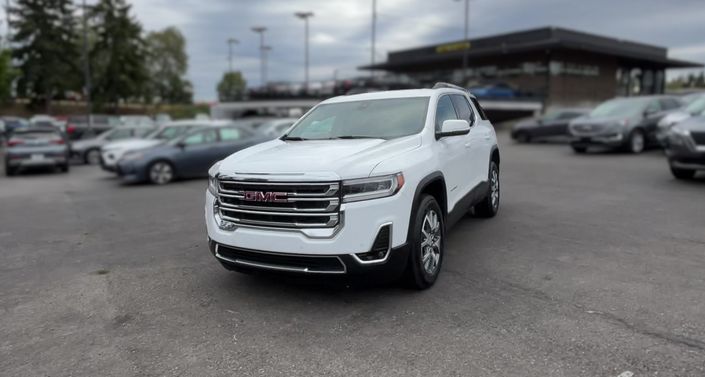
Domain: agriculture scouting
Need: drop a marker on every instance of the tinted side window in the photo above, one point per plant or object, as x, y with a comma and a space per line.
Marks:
203, 137
444, 111
476, 103
462, 107
230, 134
669, 103
654, 106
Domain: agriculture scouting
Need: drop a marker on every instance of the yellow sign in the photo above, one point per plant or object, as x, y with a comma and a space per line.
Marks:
451, 47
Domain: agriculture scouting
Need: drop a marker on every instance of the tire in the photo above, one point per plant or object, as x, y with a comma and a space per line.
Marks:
579, 149
92, 156
160, 172
682, 173
489, 206
9, 171
427, 242
636, 141
523, 137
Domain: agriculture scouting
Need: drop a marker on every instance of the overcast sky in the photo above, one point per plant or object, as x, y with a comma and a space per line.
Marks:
340, 29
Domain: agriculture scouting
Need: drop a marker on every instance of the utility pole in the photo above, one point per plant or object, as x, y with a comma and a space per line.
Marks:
86, 69
374, 22
467, 41
263, 75
231, 42
305, 16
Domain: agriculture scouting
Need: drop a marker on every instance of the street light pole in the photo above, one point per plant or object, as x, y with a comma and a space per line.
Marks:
465, 35
86, 68
374, 22
263, 75
305, 16
231, 42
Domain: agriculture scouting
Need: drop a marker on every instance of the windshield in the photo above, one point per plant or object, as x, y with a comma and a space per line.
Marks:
379, 119
696, 107
620, 107
169, 132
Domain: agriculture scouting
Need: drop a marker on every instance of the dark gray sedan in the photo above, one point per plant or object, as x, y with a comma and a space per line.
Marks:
34, 147
188, 156
553, 124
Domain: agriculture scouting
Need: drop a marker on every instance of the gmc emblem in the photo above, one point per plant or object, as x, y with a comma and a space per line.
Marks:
268, 197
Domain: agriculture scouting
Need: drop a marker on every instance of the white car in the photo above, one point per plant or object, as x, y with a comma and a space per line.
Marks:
361, 184
112, 152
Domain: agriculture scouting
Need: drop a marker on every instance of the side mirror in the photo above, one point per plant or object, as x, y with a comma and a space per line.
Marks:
453, 127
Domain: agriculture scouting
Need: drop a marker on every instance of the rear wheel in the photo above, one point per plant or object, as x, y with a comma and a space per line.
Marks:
92, 157
579, 149
636, 141
9, 170
489, 206
523, 137
682, 173
161, 172
426, 243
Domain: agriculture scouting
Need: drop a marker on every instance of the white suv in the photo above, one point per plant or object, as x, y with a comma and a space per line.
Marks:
361, 184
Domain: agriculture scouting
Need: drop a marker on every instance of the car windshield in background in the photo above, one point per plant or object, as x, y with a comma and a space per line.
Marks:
696, 107
620, 107
379, 119
168, 133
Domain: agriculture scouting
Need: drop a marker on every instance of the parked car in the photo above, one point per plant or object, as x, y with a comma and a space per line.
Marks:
78, 127
276, 127
365, 184
551, 125
162, 119
685, 147
628, 123
136, 120
498, 90
695, 107
88, 150
187, 156
35, 146
112, 152
12, 123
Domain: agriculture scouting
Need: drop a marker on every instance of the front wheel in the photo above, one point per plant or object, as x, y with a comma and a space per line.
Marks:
682, 173
489, 206
161, 172
426, 243
579, 149
92, 157
636, 141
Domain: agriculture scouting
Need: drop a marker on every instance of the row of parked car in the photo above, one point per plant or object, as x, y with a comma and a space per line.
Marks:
632, 124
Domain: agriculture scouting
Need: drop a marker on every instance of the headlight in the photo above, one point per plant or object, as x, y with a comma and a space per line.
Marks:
680, 131
355, 190
213, 179
133, 156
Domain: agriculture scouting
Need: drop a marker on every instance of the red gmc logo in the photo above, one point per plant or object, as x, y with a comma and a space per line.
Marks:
269, 197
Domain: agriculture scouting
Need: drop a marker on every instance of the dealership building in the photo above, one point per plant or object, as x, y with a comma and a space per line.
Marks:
556, 66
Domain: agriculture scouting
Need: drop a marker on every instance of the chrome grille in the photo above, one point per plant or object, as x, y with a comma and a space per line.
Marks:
280, 204
583, 128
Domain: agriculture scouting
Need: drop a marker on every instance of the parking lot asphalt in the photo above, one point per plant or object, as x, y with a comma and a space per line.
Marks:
593, 267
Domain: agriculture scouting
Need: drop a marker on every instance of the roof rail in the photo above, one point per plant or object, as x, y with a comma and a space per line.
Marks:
440, 85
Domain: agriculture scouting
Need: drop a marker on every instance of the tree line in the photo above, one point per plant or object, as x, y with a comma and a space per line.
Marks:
45, 59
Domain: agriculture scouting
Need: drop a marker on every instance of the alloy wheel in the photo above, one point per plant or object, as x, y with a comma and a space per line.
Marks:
161, 173
637, 142
431, 242
494, 189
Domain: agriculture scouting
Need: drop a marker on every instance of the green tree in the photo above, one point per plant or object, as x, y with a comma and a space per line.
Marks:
45, 49
167, 63
231, 87
8, 74
118, 56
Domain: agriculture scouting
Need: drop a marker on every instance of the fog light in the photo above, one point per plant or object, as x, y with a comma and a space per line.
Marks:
380, 248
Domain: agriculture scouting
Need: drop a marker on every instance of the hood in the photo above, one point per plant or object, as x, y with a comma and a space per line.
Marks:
601, 120
132, 144
334, 159
696, 123
673, 118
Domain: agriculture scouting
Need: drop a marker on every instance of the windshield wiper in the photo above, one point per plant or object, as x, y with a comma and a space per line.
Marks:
355, 137
293, 138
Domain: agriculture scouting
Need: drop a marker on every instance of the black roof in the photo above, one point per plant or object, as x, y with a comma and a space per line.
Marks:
546, 38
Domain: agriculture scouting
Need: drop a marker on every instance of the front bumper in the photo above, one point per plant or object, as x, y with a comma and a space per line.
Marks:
613, 140
360, 224
683, 153
131, 171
